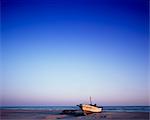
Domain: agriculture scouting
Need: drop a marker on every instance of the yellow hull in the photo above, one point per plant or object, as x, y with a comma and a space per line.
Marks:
90, 109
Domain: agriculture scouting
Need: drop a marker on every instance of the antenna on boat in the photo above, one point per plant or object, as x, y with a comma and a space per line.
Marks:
90, 100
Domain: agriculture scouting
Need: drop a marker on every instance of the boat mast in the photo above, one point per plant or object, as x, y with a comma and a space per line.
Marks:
90, 100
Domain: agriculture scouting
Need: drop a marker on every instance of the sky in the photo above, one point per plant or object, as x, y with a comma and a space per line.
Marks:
59, 52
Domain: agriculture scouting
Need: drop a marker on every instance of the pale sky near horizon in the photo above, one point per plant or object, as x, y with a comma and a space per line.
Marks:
61, 52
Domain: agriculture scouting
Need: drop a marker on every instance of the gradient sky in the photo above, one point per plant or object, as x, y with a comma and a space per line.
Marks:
57, 52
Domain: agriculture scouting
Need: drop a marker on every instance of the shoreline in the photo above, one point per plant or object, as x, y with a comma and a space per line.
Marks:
57, 114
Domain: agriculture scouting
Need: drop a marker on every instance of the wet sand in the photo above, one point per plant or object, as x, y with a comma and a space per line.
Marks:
57, 114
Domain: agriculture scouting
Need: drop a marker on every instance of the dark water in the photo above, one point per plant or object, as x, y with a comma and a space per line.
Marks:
105, 108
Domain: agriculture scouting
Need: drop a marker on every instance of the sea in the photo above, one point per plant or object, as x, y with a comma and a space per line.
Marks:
105, 108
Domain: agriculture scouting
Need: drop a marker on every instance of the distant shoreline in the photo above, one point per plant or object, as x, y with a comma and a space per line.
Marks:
105, 108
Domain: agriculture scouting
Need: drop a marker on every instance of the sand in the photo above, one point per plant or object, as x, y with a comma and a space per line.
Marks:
57, 114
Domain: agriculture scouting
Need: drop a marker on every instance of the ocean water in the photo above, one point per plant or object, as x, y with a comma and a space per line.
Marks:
105, 108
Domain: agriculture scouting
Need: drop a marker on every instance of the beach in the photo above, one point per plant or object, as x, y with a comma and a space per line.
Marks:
77, 115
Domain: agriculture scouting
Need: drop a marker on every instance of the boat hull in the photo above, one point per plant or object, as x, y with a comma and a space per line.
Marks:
87, 109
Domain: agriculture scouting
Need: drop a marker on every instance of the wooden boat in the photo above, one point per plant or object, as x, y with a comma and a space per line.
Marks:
90, 108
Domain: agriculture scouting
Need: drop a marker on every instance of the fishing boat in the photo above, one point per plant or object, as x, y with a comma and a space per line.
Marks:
90, 108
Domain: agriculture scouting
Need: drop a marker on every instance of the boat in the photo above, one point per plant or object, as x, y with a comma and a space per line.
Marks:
90, 108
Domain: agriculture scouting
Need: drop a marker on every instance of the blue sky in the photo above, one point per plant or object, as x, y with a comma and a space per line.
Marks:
61, 52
